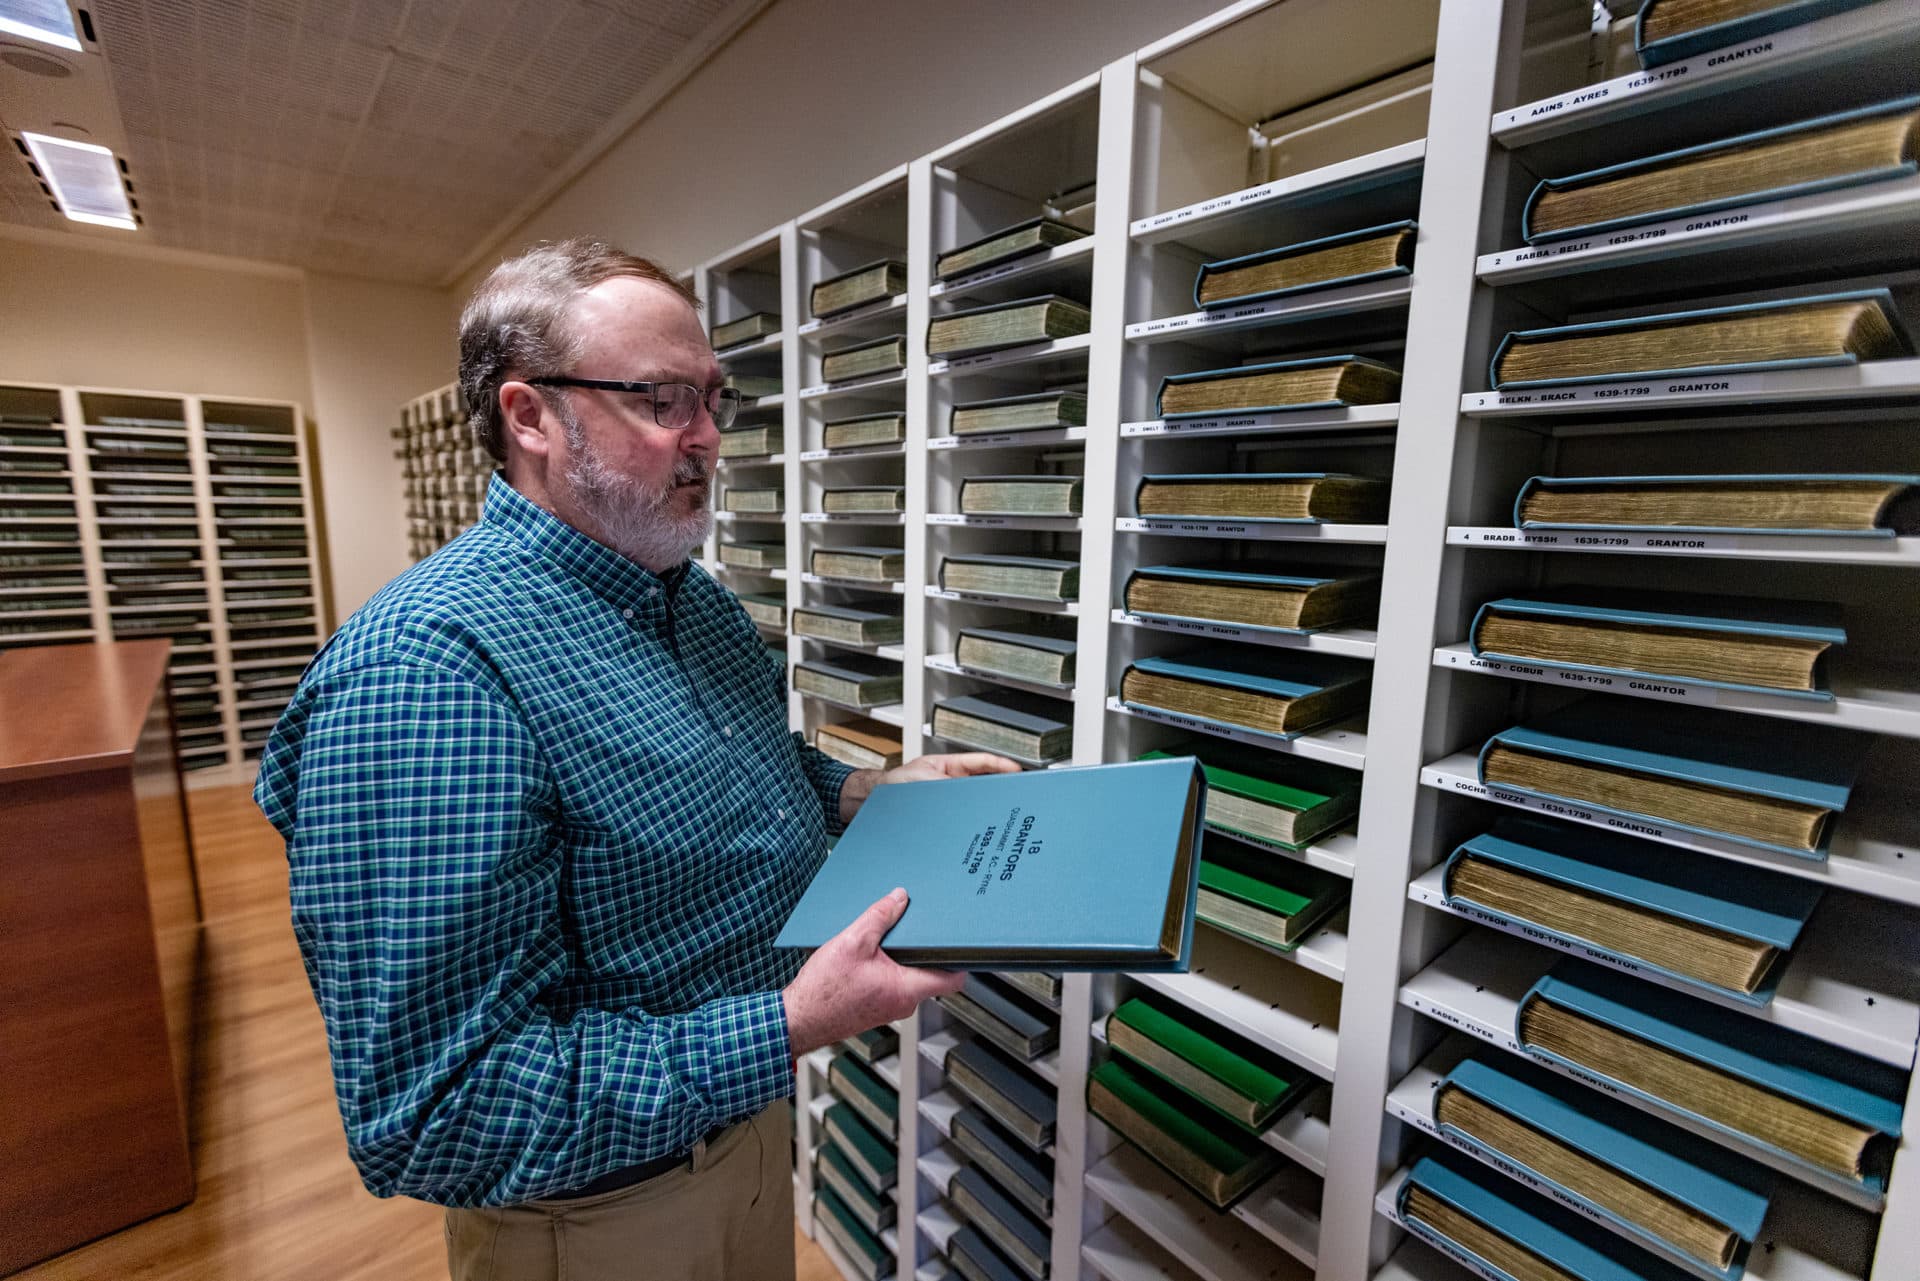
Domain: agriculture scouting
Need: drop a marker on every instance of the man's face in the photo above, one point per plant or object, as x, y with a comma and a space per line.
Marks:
641, 488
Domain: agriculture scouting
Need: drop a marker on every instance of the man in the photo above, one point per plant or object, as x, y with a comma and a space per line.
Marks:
544, 817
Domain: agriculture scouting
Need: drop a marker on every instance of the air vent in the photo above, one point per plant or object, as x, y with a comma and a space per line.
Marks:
33, 62
85, 180
47, 21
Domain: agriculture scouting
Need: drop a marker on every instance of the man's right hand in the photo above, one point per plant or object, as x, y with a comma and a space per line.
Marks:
850, 985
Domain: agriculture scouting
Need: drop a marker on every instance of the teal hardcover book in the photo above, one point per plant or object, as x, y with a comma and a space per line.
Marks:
1618, 755
1464, 1208
1763, 911
1812, 625
1094, 868
1815, 1104
1894, 341
1725, 1195
1864, 172
1658, 44
1899, 513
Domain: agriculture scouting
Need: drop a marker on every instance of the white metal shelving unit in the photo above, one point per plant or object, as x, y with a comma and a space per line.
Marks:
134, 514
1185, 165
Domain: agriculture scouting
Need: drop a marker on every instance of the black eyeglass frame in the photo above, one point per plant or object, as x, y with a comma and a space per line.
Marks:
724, 409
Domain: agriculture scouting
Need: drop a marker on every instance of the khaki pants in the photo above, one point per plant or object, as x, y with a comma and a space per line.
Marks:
728, 1216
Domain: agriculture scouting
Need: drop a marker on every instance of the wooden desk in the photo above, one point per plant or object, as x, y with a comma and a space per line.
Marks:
99, 947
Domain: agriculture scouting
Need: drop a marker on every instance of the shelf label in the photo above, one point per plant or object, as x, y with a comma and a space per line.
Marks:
1011, 356
1675, 543
1371, 293
859, 313
851, 384
1377, 166
1616, 682
1317, 419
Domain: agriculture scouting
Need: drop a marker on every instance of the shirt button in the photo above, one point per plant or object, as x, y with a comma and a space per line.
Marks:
728, 731
626, 613
782, 813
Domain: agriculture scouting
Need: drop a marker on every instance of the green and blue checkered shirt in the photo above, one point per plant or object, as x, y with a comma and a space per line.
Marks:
544, 818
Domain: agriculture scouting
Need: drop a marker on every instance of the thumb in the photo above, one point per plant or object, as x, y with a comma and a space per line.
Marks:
872, 925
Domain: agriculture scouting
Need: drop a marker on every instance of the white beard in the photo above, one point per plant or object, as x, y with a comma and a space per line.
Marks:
636, 519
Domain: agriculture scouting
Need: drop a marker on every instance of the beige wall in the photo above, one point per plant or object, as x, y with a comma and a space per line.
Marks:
348, 352
373, 347
815, 97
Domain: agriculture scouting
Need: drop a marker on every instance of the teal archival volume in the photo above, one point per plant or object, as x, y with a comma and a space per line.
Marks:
1089, 868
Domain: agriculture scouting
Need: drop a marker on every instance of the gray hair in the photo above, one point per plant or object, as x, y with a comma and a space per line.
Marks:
516, 325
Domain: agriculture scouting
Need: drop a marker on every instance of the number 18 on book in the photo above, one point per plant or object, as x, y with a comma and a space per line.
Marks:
1094, 868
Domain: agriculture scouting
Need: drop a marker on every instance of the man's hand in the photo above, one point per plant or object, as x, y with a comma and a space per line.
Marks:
920, 769
850, 985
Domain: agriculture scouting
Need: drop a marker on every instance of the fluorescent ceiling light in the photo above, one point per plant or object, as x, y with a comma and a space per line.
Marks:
48, 21
85, 180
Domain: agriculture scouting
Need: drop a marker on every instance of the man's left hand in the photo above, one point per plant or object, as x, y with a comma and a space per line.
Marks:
920, 769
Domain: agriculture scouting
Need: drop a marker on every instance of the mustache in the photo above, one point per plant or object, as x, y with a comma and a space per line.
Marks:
692, 468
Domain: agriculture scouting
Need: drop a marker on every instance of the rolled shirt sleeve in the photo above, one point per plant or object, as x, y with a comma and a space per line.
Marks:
827, 776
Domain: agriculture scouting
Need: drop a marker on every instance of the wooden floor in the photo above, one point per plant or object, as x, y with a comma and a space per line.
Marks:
278, 1197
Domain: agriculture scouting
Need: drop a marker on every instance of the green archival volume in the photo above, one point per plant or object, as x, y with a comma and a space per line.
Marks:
1280, 800
745, 329
1008, 324
856, 288
1216, 1158
869, 1257
1031, 236
1092, 868
875, 1213
1223, 1071
867, 564
877, 1102
873, 1045
1036, 411
876, 1161
1275, 902
1020, 495
862, 360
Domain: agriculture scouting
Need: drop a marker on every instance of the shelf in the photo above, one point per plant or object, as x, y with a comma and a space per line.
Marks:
988, 360
757, 460
1351, 642
938, 1166
1829, 990
1869, 704
1324, 952
895, 587
1238, 987
897, 653
939, 1109
1874, 379
1415, 1260
1396, 164
751, 347
1336, 852
1013, 602
1273, 422
1787, 1221
1041, 524
1805, 548
1828, 45
749, 518
934, 1048
938, 1225
853, 518
945, 663
854, 386
1476, 987
1866, 854
889, 714
1344, 744
1250, 531
1880, 206
852, 454
855, 317
1071, 260
1213, 1245
1321, 305
1118, 1251
1036, 439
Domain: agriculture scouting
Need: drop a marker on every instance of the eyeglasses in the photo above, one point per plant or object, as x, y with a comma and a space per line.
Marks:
674, 404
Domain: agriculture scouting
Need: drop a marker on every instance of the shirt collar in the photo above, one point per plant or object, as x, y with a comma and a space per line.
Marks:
631, 587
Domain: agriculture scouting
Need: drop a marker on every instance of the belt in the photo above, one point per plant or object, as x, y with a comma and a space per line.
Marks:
628, 1175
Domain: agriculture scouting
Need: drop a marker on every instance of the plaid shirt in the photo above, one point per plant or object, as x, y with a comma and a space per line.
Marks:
543, 819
